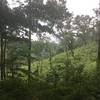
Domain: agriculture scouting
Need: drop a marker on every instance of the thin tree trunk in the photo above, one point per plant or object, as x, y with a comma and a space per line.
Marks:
40, 71
29, 54
50, 58
3, 51
98, 57
29, 58
4, 62
2, 59
12, 69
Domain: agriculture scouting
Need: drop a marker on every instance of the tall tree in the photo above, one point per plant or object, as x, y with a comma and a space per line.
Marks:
83, 27
58, 15
4, 23
10, 27
33, 12
97, 12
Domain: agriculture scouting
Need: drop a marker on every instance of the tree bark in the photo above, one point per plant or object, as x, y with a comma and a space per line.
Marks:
98, 56
2, 59
29, 58
12, 70
50, 58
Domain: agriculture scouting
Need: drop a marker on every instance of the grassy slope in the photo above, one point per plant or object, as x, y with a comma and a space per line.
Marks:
85, 55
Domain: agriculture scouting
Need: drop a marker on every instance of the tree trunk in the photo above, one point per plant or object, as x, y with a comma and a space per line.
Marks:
50, 58
12, 70
2, 59
4, 62
98, 57
29, 45
29, 58
3, 51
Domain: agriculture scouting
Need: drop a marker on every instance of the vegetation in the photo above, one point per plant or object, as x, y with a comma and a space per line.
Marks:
42, 69
86, 55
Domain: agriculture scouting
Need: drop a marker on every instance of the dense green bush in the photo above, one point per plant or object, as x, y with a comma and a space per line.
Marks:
15, 89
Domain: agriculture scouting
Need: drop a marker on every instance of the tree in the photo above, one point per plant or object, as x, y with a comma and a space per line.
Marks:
97, 12
36, 12
33, 13
10, 27
84, 27
5, 23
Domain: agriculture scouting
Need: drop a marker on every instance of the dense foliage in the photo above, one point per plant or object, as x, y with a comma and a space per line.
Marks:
67, 68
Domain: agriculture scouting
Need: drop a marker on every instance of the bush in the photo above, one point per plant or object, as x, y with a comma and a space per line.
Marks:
14, 90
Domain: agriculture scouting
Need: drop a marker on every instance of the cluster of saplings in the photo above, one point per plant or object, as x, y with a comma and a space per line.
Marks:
64, 80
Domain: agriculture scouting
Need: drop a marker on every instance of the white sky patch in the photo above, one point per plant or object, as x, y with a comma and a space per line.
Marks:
79, 7
12, 3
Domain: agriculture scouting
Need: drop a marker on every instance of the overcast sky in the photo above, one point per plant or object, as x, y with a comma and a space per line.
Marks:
79, 7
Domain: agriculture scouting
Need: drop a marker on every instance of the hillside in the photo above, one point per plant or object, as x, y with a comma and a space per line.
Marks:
85, 55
